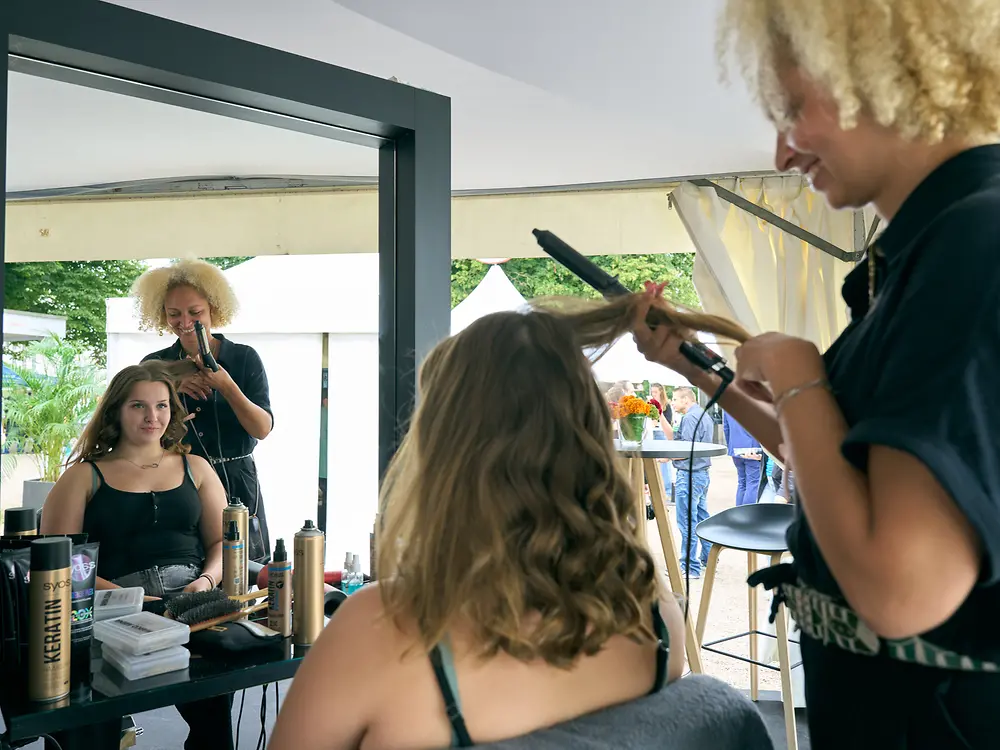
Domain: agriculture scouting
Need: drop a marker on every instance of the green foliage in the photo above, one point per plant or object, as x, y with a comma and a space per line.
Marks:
74, 289
543, 277
45, 415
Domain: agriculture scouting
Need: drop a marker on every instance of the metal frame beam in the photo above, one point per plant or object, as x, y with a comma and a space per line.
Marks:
786, 226
116, 49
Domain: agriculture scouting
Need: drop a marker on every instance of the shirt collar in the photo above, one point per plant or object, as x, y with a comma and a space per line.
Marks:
957, 178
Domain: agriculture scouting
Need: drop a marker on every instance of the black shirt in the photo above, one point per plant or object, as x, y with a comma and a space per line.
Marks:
138, 530
230, 440
919, 371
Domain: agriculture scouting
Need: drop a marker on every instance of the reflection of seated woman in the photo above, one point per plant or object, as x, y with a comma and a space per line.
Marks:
514, 592
156, 512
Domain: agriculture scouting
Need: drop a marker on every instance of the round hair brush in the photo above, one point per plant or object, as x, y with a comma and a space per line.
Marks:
203, 609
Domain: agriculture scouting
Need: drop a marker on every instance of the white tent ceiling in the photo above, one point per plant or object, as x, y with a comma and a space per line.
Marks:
565, 92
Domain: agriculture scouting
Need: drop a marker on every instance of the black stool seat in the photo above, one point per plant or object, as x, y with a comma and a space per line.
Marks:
752, 528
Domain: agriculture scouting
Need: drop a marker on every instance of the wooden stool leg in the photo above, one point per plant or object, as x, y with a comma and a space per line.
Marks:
657, 495
639, 488
706, 591
752, 596
784, 662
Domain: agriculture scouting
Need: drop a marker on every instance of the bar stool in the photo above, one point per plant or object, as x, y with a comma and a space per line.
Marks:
757, 530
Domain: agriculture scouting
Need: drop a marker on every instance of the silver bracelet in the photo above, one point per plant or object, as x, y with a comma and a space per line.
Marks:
796, 390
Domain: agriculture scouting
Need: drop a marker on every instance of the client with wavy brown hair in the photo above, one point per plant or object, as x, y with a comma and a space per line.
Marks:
156, 511
516, 599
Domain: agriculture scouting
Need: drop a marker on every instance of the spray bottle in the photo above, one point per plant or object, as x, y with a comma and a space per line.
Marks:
237, 511
279, 591
307, 584
49, 604
233, 582
20, 522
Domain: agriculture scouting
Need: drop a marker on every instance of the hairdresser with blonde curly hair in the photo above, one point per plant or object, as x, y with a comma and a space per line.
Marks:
896, 574
231, 408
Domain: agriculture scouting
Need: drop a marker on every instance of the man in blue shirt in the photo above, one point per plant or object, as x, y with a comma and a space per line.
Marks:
683, 402
746, 453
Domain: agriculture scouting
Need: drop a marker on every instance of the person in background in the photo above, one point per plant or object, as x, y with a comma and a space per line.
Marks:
746, 452
231, 408
695, 473
665, 431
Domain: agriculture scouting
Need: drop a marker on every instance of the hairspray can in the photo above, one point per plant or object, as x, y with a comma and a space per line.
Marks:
237, 511
233, 582
48, 627
307, 584
279, 591
20, 522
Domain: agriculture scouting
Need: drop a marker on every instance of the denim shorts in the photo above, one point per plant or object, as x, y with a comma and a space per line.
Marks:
160, 580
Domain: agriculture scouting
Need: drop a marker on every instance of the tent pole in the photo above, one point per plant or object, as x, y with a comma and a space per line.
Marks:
786, 226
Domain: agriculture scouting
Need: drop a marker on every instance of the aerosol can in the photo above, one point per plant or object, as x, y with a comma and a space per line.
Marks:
237, 512
307, 584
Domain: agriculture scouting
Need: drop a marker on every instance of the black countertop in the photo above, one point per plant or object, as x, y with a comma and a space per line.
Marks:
111, 696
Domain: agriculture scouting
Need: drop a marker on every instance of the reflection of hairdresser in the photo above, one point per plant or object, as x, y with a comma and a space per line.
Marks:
231, 407
156, 512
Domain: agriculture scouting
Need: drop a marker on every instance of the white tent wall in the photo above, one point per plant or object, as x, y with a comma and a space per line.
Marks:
303, 222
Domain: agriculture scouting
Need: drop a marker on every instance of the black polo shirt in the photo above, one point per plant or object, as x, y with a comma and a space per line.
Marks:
920, 371
230, 440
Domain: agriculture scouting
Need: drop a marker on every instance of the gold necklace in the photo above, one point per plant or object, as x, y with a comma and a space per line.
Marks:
155, 465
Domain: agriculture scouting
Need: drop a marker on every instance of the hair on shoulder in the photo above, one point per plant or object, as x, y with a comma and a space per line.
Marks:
150, 291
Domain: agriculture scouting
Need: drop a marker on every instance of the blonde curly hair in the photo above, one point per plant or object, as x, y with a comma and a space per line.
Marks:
150, 290
929, 69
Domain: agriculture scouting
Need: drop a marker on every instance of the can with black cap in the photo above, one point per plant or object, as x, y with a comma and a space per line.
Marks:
49, 601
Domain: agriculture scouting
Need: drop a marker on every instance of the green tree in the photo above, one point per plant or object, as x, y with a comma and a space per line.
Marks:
78, 290
45, 413
74, 289
542, 277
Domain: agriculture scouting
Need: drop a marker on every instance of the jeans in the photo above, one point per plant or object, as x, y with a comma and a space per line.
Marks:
697, 506
210, 721
747, 480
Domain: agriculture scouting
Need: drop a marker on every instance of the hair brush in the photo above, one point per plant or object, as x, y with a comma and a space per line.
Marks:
203, 609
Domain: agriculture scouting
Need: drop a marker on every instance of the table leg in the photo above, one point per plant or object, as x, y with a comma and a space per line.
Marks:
639, 488
658, 494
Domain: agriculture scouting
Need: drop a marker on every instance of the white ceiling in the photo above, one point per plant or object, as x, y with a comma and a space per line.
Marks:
554, 93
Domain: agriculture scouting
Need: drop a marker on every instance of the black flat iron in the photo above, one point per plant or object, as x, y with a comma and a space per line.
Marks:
204, 349
609, 286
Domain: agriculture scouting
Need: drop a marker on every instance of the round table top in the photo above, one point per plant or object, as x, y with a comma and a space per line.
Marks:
672, 449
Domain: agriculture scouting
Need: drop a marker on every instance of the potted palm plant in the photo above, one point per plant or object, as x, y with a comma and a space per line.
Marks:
44, 413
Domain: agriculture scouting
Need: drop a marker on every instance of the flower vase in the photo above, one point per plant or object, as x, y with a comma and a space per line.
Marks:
632, 430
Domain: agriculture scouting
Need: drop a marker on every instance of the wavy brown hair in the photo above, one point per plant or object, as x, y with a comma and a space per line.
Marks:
507, 501
102, 433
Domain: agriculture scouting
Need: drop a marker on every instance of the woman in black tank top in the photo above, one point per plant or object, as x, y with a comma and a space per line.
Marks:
156, 512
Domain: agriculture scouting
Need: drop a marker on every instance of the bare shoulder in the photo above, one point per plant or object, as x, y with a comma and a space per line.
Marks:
76, 476
198, 465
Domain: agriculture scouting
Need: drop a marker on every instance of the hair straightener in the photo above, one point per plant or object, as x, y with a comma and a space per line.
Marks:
204, 349
609, 286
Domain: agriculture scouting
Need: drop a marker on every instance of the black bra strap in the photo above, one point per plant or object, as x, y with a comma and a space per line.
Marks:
455, 718
662, 649
98, 479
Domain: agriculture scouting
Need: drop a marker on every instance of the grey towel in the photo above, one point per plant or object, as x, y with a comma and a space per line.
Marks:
692, 713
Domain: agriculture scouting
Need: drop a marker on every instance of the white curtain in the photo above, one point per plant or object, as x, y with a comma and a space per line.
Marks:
766, 279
